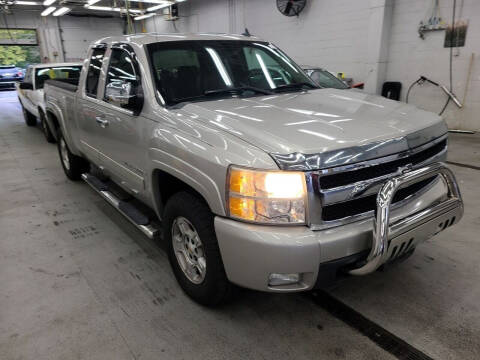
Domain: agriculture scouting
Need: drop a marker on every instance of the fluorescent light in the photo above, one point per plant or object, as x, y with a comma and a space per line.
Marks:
166, 3
62, 11
158, 7
143, 16
108, 8
26, 3
48, 11
91, 2
102, 8
48, 2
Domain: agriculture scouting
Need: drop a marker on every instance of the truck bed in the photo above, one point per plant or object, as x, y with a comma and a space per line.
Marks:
66, 84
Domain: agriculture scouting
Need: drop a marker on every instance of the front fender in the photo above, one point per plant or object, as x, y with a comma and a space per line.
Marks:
200, 157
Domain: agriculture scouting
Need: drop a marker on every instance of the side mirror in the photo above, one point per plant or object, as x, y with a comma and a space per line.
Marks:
125, 94
26, 86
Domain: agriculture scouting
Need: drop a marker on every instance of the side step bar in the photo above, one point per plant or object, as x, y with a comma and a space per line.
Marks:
128, 210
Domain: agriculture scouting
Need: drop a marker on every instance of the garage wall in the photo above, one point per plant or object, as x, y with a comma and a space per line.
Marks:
357, 37
64, 38
330, 33
409, 57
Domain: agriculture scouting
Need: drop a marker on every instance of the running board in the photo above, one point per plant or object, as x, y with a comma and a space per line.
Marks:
135, 216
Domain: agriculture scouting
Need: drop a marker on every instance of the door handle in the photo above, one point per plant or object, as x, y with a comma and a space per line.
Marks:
102, 122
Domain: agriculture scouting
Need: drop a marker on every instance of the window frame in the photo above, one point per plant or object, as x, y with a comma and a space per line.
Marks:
136, 68
95, 47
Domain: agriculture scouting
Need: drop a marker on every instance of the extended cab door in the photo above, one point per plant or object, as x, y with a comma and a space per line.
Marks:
122, 153
90, 108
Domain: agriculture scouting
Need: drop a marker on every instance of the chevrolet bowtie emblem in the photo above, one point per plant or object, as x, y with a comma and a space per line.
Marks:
404, 169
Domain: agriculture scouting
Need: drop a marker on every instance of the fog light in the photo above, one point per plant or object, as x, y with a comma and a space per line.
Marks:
283, 279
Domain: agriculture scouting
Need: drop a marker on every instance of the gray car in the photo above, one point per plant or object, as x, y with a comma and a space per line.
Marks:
325, 78
251, 173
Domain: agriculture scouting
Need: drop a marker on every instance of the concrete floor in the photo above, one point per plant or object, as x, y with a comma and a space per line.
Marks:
80, 282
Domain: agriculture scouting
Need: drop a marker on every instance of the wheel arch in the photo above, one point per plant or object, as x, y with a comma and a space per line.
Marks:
53, 123
164, 184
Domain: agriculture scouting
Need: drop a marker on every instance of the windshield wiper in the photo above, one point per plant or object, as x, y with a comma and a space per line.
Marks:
238, 89
225, 91
299, 85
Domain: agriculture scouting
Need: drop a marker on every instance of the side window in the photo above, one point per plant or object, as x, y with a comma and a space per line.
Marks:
121, 79
93, 74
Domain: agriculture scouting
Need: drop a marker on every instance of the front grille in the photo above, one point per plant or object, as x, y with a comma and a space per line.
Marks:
368, 203
349, 177
352, 192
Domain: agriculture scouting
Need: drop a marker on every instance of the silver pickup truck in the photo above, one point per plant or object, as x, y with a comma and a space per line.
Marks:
254, 175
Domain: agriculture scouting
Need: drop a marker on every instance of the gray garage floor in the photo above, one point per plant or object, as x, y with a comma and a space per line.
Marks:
77, 281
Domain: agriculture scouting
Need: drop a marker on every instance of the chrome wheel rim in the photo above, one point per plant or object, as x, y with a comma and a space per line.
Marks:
64, 154
189, 250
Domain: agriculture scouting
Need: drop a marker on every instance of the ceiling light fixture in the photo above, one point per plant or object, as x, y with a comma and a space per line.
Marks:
62, 11
166, 2
141, 17
26, 3
158, 7
108, 8
91, 2
48, 2
48, 11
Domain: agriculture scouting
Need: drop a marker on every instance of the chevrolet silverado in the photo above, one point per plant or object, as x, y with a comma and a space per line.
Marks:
251, 173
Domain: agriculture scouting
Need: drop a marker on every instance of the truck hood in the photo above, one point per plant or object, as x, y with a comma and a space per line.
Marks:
323, 121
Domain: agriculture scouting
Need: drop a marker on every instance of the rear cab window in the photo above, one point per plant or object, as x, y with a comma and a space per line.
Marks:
93, 74
63, 73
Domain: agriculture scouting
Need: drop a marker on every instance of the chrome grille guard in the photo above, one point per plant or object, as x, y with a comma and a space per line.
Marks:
379, 252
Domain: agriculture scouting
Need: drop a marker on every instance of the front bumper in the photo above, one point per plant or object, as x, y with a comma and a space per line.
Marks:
7, 83
251, 253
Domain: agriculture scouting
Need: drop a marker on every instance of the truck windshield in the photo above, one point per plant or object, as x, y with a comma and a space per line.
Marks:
202, 70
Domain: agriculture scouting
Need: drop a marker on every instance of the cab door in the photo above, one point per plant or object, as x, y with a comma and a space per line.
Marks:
120, 127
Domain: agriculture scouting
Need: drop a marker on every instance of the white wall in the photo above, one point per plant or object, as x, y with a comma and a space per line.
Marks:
64, 38
354, 37
330, 33
409, 56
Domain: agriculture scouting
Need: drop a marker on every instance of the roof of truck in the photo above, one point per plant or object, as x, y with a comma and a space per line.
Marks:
148, 38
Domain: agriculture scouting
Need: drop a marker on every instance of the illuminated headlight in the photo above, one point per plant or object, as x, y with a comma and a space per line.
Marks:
266, 196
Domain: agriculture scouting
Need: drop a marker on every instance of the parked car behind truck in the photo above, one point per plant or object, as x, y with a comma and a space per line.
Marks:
251, 173
30, 91
9, 76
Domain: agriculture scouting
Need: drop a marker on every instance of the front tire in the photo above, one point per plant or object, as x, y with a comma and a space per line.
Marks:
30, 119
73, 166
193, 250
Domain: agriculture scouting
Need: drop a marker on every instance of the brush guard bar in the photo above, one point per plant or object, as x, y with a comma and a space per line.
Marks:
381, 223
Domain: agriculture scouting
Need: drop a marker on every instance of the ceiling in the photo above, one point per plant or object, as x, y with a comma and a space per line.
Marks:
138, 9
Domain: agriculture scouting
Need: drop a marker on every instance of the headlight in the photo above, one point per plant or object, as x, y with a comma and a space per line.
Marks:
266, 196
